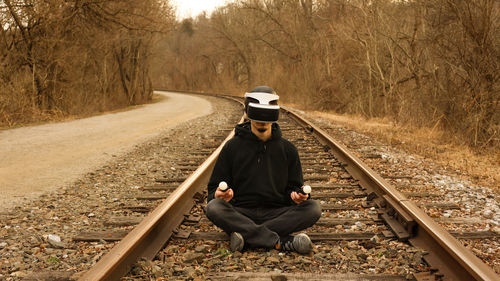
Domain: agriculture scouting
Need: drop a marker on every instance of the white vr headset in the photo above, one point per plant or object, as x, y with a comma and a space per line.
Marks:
262, 107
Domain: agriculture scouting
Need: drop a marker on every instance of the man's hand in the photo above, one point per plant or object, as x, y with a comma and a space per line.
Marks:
298, 197
224, 195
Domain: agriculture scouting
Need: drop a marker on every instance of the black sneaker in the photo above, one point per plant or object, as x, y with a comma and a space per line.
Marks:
237, 242
300, 243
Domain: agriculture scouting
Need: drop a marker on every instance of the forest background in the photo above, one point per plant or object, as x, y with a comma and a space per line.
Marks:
427, 63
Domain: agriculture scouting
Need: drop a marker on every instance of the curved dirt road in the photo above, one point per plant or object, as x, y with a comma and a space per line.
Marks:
43, 158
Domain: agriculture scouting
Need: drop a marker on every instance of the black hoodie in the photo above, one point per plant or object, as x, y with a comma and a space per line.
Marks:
261, 174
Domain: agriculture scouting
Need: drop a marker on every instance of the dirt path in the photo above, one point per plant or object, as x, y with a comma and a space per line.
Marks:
43, 158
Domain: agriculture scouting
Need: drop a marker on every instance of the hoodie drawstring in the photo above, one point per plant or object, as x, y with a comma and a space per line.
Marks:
261, 152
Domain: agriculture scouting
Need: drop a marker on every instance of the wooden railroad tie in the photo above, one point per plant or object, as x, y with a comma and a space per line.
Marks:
117, 235
315, 236
265, 276
323, 221
160, 187
179, 180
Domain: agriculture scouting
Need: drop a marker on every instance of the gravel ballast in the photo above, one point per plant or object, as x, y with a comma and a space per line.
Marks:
37, 236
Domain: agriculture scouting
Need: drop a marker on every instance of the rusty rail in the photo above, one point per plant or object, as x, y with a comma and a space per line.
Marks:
446, 253
148, 237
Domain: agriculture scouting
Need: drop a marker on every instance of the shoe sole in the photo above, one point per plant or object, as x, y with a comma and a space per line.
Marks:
237, 242
302, 243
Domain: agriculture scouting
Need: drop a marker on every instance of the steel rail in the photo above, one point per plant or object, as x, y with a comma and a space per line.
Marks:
446, 253
149, 236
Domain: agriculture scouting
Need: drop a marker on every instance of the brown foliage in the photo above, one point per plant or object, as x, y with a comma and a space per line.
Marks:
432, 63
75, 57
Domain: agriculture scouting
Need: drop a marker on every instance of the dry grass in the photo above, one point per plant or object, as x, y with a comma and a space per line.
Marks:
481, 167
58, 116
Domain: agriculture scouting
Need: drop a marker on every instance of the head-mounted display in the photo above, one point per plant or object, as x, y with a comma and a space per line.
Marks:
262, 107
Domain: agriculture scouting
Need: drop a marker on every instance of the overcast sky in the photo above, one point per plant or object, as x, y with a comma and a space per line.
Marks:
191, 8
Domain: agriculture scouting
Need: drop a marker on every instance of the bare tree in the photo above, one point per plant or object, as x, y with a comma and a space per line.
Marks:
76, 56
427, 63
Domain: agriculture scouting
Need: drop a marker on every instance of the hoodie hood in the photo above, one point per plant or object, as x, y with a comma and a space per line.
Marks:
244, 130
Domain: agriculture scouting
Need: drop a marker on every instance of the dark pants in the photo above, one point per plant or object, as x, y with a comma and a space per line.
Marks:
262, 227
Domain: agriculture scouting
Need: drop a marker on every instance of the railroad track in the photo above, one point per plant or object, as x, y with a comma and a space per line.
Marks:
367, 226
